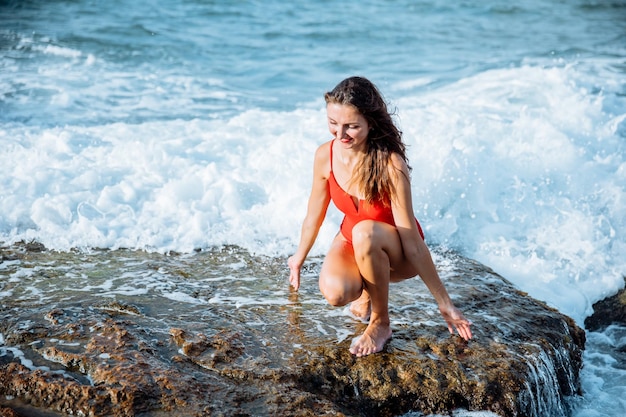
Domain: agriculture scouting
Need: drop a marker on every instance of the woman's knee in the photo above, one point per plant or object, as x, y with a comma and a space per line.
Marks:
335, 299
339, 291
364, 236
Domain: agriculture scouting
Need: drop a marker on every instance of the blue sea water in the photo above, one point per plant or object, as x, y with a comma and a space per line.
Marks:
185, 124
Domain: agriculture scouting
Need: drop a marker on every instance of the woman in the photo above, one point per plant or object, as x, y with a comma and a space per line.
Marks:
364, 171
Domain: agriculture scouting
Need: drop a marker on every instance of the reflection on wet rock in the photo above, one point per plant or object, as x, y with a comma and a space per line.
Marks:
124, 333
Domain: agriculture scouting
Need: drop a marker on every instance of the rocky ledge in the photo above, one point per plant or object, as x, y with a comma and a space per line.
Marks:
611, 310
92, 358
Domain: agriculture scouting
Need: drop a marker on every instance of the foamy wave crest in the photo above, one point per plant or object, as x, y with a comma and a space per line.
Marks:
520, 168
162, 186
523, 169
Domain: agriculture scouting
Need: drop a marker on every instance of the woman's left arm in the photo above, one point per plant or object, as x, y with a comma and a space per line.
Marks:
416, 251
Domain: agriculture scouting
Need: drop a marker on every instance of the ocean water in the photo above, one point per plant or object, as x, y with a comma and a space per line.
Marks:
182, 125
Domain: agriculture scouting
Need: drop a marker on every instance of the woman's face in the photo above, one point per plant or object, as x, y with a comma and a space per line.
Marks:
347, 125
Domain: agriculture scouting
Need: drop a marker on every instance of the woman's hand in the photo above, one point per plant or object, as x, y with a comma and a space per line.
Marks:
294, 272
455, 319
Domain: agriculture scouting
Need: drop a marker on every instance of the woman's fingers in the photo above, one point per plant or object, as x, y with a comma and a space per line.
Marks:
294, 280
455, 319
294, 274
464, 330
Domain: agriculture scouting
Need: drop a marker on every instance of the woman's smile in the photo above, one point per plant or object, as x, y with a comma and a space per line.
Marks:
347, 125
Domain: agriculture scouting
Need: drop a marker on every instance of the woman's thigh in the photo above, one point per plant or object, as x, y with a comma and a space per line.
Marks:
385, 237
340, 279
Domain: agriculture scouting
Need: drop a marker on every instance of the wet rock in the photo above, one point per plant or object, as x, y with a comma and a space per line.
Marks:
134, 358
524, 361
611, 310
34, 246
7, 412
121, 308
103, 372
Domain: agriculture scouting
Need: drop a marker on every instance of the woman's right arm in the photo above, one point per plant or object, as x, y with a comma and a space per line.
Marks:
316, 212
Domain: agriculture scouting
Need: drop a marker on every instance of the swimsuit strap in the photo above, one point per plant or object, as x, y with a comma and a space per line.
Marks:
331, 155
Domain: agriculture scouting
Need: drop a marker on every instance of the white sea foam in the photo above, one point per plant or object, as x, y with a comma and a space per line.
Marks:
246, 301
182, 297
457, 413
524, 170
520, 168
59, 50
603, 375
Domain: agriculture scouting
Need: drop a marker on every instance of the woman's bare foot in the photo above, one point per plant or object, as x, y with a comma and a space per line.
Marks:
361, 308
372, 340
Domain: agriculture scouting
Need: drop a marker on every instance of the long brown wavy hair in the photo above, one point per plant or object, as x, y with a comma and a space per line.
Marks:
384, 138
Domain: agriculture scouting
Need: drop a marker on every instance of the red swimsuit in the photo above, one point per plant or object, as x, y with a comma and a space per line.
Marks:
366, 210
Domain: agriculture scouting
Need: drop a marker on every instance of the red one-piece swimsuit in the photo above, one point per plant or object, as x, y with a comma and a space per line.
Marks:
366, 210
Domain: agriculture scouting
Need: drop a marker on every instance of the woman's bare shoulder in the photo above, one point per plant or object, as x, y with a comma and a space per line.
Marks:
397, 163
324, 148
322, 159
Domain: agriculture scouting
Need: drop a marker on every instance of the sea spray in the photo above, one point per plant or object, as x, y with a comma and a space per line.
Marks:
516, 183
515, 116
